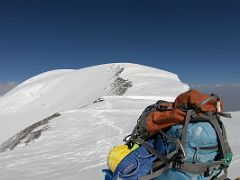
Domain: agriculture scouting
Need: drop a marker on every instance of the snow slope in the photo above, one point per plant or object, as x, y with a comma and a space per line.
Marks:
232, 127
98, 106
62, 90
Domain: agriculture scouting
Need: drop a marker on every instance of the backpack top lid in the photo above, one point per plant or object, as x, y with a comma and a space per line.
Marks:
201, 101
165, 117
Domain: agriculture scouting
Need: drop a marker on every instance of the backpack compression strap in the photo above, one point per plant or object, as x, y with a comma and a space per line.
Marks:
199, 168
166, 161
225, 150
221, 134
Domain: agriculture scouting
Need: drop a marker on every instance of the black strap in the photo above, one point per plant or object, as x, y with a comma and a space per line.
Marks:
177, 142
199, 168
154, 151
156, 173
226, 115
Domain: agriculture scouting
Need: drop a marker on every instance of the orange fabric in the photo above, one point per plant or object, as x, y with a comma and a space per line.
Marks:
195, 98
165, 119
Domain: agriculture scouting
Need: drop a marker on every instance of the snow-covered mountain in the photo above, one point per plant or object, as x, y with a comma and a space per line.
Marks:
61, 124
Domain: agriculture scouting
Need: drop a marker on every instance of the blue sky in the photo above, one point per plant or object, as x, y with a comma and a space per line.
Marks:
198, 40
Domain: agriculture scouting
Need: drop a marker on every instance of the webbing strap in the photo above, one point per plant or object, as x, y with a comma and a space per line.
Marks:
186, 167
203, 169
154, 151
226, 115
156, 173
177, 142
220, 131
226, 144
193, 168
184, 131
222, 177
196, 168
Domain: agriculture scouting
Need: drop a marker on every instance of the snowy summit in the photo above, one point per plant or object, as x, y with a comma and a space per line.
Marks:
62, 123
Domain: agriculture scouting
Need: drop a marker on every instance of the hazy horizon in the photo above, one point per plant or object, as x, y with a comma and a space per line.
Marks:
228, 92
6, 87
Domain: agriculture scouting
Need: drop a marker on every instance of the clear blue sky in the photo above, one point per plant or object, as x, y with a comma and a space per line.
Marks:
199, 40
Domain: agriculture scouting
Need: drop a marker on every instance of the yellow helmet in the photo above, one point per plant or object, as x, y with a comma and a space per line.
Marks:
116, 155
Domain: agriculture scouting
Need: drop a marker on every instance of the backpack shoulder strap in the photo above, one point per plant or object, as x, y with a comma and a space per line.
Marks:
221, 134
185, 127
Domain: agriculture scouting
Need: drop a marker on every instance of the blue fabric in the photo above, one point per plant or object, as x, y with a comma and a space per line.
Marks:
161, 144
173, 174
200, 134
108, 174
137, 163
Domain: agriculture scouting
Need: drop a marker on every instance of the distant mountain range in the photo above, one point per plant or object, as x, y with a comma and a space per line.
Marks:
5, 87
230, 94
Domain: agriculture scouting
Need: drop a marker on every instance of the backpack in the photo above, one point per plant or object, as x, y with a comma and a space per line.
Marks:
201, 148
189, 139
130, 164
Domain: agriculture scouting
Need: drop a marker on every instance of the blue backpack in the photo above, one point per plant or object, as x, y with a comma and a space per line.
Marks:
138, 163
201, 147
197, 149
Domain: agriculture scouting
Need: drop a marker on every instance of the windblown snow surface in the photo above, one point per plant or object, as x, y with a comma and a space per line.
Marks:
60, 125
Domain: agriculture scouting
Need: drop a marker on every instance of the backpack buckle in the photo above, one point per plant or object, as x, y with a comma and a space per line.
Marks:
176, 165
181, 148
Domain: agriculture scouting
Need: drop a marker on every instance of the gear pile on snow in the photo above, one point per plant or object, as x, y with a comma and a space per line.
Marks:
181, 140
